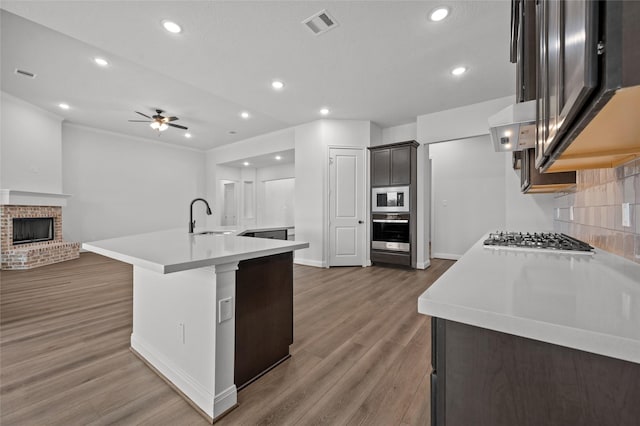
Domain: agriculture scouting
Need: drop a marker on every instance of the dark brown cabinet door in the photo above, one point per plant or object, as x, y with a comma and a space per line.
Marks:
380, 167
523, 48
566, 65
264, 315
400, 166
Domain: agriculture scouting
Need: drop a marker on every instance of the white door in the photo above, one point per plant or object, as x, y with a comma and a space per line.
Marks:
229, 215
346, 207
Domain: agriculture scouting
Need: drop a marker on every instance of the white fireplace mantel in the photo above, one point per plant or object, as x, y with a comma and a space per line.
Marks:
29, 198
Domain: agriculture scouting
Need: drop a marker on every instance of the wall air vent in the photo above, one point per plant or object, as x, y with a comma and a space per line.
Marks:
25, 73
320, 23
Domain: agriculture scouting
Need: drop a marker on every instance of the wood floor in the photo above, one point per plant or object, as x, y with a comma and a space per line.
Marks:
360, 356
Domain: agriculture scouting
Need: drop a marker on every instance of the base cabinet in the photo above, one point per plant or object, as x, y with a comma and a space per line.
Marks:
264, 315
487, 378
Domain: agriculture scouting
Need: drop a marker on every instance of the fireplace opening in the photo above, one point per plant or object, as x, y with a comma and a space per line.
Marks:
32, 230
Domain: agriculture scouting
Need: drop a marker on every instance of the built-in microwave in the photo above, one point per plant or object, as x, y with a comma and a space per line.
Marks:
390, 199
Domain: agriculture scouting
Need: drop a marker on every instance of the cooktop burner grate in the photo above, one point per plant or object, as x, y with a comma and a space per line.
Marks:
537, 240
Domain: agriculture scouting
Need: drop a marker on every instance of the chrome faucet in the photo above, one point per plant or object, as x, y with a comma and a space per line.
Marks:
192, 223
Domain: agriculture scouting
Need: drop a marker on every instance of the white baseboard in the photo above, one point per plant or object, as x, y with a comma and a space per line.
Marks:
225, 400
307, 262
447, 256
423, 265
190, 387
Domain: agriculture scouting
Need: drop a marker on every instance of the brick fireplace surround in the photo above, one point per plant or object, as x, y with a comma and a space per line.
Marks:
32, 255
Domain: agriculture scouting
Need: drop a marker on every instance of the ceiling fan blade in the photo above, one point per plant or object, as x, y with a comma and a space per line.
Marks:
172, 118
178, 126
144, 115
139, 121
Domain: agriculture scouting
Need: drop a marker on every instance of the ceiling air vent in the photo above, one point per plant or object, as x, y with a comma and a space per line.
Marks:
320, 23
25, 73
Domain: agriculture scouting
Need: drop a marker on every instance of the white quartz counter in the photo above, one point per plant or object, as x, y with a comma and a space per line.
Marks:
177, 250
590, 303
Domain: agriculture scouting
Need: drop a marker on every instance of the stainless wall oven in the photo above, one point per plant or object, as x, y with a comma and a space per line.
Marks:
390, 199
391, 232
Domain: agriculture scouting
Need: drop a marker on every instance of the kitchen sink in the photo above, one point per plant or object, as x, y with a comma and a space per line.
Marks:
214, 233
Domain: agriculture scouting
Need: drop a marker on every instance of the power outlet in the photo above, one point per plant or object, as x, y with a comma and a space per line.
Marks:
626, 215
225, 309
181, 338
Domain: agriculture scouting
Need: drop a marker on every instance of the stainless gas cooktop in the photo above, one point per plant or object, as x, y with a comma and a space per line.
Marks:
537, 241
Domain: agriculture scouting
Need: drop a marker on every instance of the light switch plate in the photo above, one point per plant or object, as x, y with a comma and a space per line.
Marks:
626, 215
225, 309
571, 213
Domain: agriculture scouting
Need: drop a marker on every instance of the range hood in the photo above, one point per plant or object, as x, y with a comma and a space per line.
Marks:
514, 128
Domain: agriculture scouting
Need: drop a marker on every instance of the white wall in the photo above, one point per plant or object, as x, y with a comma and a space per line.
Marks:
122, 185
525, 212
458, 123
278, 202
311, 190
468, 194
30, 147
482, 193
521, 211
402, 133
276, 194
375, 135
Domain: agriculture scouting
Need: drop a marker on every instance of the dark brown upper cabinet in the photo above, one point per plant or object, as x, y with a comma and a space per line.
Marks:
587, 83
534, 182
523, 48
391, 164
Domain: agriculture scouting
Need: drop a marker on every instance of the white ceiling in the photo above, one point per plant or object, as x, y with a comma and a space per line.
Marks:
385, 62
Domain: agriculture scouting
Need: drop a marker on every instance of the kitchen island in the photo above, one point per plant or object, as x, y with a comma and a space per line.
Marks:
184, 304
535, 337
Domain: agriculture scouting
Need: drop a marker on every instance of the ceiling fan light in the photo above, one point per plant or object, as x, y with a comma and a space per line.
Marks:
163, 127
154, 125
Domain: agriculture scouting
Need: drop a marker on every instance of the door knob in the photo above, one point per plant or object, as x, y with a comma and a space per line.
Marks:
360, 221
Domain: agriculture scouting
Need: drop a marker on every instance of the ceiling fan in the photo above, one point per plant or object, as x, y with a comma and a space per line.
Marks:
158, 121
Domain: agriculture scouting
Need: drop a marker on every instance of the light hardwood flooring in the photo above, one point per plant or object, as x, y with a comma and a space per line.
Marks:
361, 352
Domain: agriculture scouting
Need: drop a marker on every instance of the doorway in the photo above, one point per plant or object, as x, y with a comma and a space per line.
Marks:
346, 207
229, 210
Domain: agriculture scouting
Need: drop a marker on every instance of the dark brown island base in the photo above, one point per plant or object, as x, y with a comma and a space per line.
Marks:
264, 315
487, 378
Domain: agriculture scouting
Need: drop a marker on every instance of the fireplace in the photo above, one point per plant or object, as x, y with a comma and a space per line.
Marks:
32, 230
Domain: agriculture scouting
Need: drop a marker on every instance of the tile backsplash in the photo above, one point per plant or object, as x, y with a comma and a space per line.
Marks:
594, 212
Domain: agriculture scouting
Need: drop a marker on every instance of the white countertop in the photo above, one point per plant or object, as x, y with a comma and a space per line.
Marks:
177, 250
590, 303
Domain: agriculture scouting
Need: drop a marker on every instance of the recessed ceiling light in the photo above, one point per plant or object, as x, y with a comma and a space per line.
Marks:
100, 61
459, 70
172, 27
187, 135
277, 84
63, 106
244, 114
324, 111
246, 163
278, 158
438, 14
